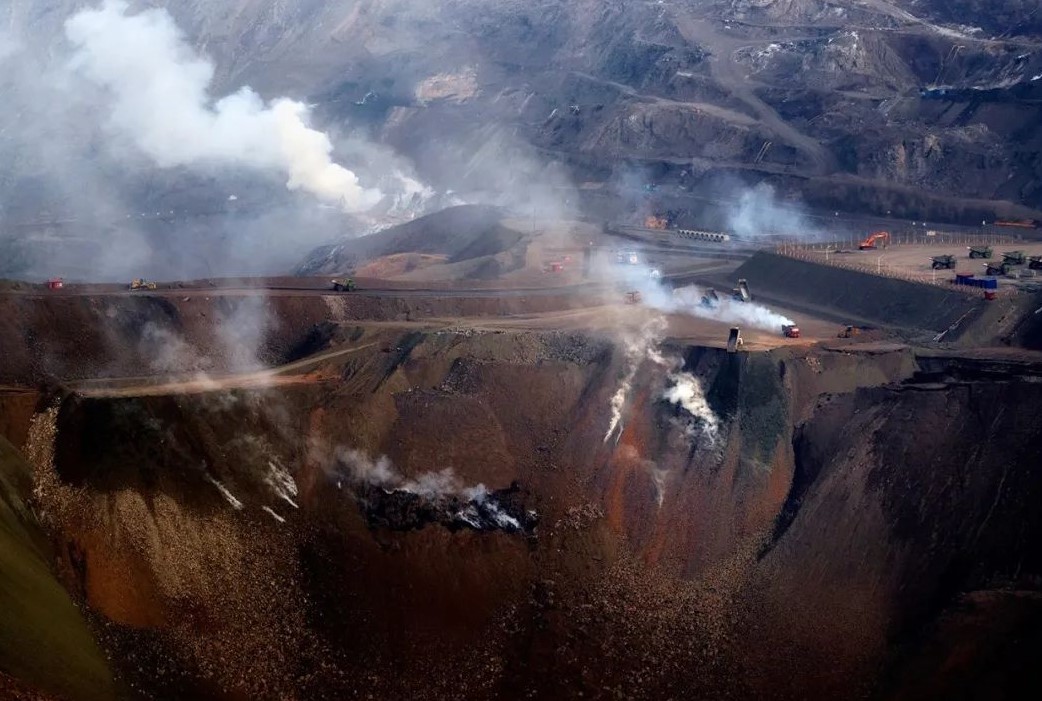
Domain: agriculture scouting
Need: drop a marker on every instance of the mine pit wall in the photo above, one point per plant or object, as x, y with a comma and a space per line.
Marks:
824, 528
853, 296
44, 338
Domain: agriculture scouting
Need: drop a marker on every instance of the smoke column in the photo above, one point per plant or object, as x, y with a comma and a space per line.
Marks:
686, 392
759, 214
160, 89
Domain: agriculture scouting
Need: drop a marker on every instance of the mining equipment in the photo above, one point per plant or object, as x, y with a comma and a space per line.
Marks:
343, 284
1002, 268
55, 283
1015, 257
876, 240
734, 340
790, 331
710, 299
142, 284
1035, 262
634, 297
945, 262
742, 293
984, 252
849, 332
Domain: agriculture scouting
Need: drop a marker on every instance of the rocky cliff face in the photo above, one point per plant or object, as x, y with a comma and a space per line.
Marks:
811, 521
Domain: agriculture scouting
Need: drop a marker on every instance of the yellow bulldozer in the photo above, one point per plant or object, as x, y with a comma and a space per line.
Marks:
142, 284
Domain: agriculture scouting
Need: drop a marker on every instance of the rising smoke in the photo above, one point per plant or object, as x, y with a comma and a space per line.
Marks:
685, 391
758, 213
380, 472
161, 102
475, 506
689, 300
639, 345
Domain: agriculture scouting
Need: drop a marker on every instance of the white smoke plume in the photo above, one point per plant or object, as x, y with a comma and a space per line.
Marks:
759, 214
362, 469
161, 102
688, 300
639, 346
685, 391
381, 472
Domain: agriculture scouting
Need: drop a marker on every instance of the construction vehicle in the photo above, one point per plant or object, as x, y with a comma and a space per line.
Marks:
882, 238
742, 293
634, 297
142, 284
1002, 268
849, 332
790, 331
343, 284
710, 299
984, 252
734, 340
1015, 257
945, 262
55, 283
1035, 262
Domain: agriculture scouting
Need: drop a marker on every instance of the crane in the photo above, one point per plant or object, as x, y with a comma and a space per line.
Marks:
869, 244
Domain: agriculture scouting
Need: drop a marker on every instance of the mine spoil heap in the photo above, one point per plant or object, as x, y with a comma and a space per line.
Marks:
436, 513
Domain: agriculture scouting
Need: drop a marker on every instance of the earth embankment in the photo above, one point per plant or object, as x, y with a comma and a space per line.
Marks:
859, 297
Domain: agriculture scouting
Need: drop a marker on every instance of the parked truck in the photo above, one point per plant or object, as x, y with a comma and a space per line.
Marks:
1015, 257
946, 262
1002, 268
983, 252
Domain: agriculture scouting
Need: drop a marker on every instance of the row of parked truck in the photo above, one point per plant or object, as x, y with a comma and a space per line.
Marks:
1010, 259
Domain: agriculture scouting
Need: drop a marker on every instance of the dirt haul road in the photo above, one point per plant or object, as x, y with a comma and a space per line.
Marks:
300, 372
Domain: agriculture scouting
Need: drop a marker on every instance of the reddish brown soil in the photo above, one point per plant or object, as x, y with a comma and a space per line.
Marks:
838, 518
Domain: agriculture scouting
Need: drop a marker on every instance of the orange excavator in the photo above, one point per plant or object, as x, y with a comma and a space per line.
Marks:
869, 244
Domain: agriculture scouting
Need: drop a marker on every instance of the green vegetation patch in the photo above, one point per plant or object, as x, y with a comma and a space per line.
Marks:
44, 641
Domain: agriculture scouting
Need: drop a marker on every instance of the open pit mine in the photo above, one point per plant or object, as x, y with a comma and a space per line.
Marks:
567, 479
503, 351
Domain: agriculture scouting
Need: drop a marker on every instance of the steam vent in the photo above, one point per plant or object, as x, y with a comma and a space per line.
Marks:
520, 351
